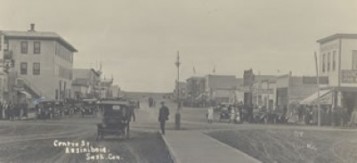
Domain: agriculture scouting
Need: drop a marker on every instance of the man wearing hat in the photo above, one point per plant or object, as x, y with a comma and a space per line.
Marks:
163, 116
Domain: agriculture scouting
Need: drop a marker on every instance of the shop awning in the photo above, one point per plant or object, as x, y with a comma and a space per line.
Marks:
325, 98
26, 94
200, 97
37, 101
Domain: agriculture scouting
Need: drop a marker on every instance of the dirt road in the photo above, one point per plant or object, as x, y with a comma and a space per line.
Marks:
38, 141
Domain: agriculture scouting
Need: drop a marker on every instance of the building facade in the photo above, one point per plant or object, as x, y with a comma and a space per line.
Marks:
105, 86
220, 88
263, 93
42, 62
338, 62
86, 83
291, 90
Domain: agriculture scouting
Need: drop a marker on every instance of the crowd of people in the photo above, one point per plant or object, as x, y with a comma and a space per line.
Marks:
296, 114
338, 116
13, 111
41, 110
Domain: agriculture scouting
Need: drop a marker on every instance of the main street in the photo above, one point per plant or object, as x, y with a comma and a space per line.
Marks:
34, 140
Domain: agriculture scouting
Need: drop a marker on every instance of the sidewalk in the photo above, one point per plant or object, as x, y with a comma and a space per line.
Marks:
196, 147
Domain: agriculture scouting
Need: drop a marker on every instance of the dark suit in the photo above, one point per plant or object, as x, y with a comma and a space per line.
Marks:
163, 117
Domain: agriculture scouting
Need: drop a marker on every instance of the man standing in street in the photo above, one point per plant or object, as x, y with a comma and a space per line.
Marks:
163, 116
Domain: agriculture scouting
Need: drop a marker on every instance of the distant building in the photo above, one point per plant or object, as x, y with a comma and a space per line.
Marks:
80, 89
219, 88
105, 88
258, 89
292, 90
195, 86
3, 86
338, 62
180, 89
263, 91
116, 91
86, 83
42, 62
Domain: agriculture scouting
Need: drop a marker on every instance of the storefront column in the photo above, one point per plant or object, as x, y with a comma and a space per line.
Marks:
339, 99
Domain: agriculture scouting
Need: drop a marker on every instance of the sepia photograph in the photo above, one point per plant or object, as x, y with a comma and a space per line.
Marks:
178, 81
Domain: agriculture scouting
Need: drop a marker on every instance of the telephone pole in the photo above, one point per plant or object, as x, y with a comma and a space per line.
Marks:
178, 115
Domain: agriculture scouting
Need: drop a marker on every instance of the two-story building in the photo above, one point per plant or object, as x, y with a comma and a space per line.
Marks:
43, 62
338, 62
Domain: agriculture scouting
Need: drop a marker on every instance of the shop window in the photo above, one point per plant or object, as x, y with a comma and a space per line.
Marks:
24, 47
37, 47
23, 68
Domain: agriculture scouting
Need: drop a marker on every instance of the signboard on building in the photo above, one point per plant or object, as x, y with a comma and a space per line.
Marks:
349, 76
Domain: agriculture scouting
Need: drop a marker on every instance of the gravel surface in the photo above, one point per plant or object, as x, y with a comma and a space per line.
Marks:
293, 146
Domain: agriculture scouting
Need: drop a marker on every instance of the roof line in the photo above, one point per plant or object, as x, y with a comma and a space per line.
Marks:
55, 37
337, 36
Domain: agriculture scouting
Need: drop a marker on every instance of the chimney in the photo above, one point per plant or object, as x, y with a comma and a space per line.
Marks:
32, 29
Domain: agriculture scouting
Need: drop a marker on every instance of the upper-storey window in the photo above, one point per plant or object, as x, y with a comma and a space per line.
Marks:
36, 68
24, 47
37, 47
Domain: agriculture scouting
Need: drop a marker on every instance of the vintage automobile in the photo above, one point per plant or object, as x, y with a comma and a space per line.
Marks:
224, 114
116, 118
89, 107
45, 109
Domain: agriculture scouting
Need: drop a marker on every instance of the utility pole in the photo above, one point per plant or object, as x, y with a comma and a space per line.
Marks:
178, 115
318, 92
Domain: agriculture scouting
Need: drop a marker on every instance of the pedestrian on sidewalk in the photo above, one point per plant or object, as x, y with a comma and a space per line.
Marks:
163, 116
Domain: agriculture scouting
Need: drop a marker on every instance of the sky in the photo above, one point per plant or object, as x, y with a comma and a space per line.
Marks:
136, 41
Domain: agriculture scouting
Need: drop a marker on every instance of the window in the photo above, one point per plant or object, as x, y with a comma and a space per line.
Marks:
334, 61
23, 68
323, 62
37, 47
354, 59
24, 47
328, 61
36, 68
